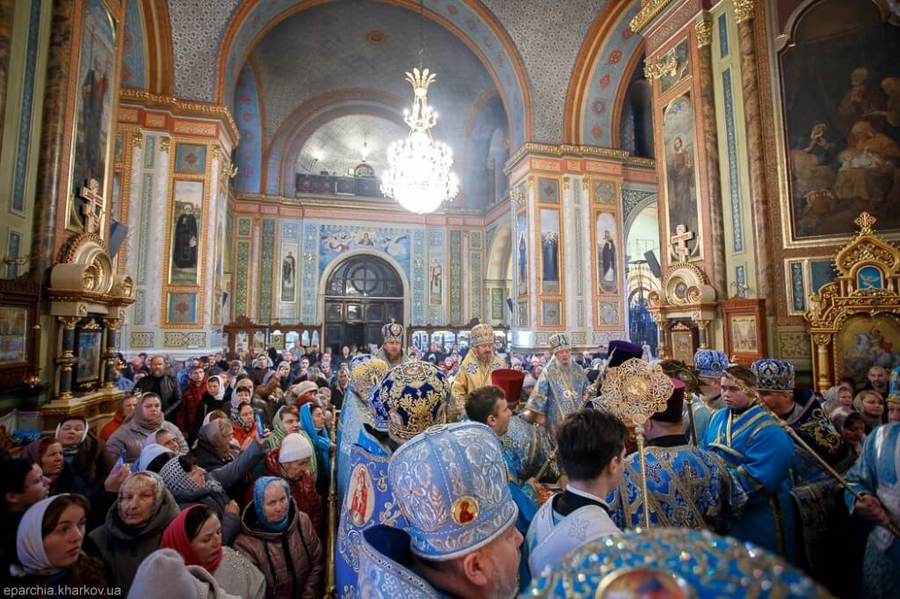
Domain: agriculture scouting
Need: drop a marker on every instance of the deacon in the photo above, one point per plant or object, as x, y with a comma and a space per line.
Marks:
592, 454
561, 389
462, 539
710, 364
528, 446
759, 456
366, 373
690, 487
476, 368
410, 398
392, 347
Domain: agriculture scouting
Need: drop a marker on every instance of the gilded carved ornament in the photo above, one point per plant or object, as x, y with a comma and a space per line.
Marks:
743, 10
648, 12
68, 322
164, 144
137, 140
664, 66
704, 30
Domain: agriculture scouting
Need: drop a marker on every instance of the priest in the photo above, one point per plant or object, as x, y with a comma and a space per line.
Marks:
476, 368
392, 345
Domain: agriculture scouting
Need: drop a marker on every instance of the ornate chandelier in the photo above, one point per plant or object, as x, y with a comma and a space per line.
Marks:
419, 175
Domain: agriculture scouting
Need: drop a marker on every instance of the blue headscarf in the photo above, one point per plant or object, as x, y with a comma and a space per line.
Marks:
320, 439
259, 489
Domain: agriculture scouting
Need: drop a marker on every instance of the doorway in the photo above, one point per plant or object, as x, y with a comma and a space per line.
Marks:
361, 295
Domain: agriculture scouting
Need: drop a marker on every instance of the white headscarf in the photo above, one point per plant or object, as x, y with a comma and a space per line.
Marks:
30, 542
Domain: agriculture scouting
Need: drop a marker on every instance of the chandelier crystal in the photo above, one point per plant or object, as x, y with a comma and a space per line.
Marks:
419, 175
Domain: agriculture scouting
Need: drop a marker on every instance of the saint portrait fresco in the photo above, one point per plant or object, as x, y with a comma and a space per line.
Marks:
550, 251
288, 276
522, 253
186, 232
607, 253
681, 190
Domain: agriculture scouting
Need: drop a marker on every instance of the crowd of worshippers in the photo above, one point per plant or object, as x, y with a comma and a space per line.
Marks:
488, 476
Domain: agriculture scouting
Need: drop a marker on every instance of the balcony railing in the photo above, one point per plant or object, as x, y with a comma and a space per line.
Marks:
369, 187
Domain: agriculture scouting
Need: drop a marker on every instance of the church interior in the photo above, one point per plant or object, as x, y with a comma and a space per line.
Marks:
188, 178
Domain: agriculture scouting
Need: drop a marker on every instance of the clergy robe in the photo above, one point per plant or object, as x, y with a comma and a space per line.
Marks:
759, 456
528, 447
689, 488
564, 523
382, 355
559, 392
878, 473
354, 413
471, 375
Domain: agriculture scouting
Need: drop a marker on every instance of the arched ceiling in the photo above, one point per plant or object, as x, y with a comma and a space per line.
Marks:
337, 146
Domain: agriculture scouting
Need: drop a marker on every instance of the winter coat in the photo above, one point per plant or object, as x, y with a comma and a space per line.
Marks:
121, 549
92, 462
292, 561
130, 437
228, 476
169, 393
189, 417
241, 435
236, 576
303, 490
112, 426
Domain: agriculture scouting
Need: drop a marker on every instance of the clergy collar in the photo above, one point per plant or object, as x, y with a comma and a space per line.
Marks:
586, 498
668, 441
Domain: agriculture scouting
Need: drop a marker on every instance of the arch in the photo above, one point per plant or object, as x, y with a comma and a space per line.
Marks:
336, 263
500, 254
608, 42
147, 59
491, 44
364, 274
636, 210
486, 118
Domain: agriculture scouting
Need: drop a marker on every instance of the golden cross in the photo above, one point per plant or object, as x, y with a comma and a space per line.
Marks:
93, 206
865, 221
679, 240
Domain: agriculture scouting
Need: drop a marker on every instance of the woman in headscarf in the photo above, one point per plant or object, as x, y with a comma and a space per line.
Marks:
133, 528
870, 406
280, 540
852, 428
295, 462
153, 458
190, 484
836, 397
217, 396
243, 419
22, 484
286, 421
279, 378
214, 445
124, 408
47, 452
84, 452
48, 548
312, 420
146, 420
196, 534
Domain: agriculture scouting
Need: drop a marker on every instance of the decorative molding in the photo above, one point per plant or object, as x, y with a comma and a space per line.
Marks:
183, 107
648, 12
665, 66
704, 30
743, 10
164, 144
137, 139
574, 151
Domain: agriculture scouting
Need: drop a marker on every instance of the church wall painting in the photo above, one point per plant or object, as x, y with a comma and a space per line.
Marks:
548, 191
435, 282
680, 166
190, 159
551, 313
866, 341
550, 242
607, 254
682, 57
840, 105
181, 308
93, 138
522, 253
287, 277
187, 227
338, 239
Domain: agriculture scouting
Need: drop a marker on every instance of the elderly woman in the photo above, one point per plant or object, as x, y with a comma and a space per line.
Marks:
145, 421
217, 395
286, 421
124, 408
243, 423
214, 447
90, 462
153, 458
279, 539
164, 574
191, 484
196, 534
133, 528
48, 546
47, 452
295, 462
836, 397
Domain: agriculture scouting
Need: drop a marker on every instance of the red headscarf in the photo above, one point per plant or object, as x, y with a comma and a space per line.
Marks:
175, 537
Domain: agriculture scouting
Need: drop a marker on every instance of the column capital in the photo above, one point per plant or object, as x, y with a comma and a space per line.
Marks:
68, 322
704, 29
743, 10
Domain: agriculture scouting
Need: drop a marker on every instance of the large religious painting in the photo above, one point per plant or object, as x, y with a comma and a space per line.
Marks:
866, 341
550, 251
435, 282
680, 159
186, 234
89, 347
680, 56
288, 275
840, 83
607, 261
13, 335
337, 239
522, 253
95, 99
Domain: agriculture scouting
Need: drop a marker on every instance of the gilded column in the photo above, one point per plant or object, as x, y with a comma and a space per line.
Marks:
112, 341
823, 381
703, 29
765, 274
65, 361
7, 8
47, 197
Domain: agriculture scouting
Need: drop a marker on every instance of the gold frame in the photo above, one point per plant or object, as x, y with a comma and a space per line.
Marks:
596, 296
536, 229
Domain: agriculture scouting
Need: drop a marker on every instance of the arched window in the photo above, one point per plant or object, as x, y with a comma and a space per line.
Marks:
636, 124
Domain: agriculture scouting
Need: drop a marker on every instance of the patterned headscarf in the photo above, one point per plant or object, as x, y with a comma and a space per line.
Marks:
259, 490
180, 484
236, 413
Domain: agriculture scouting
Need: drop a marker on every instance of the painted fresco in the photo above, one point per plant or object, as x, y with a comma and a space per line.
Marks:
864, 342
682, 56
841, 100
522, 253
187, 228
607, 253
95, 96
338, 239
550, 251
435, 283
182, 308
680, 157
288, 274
